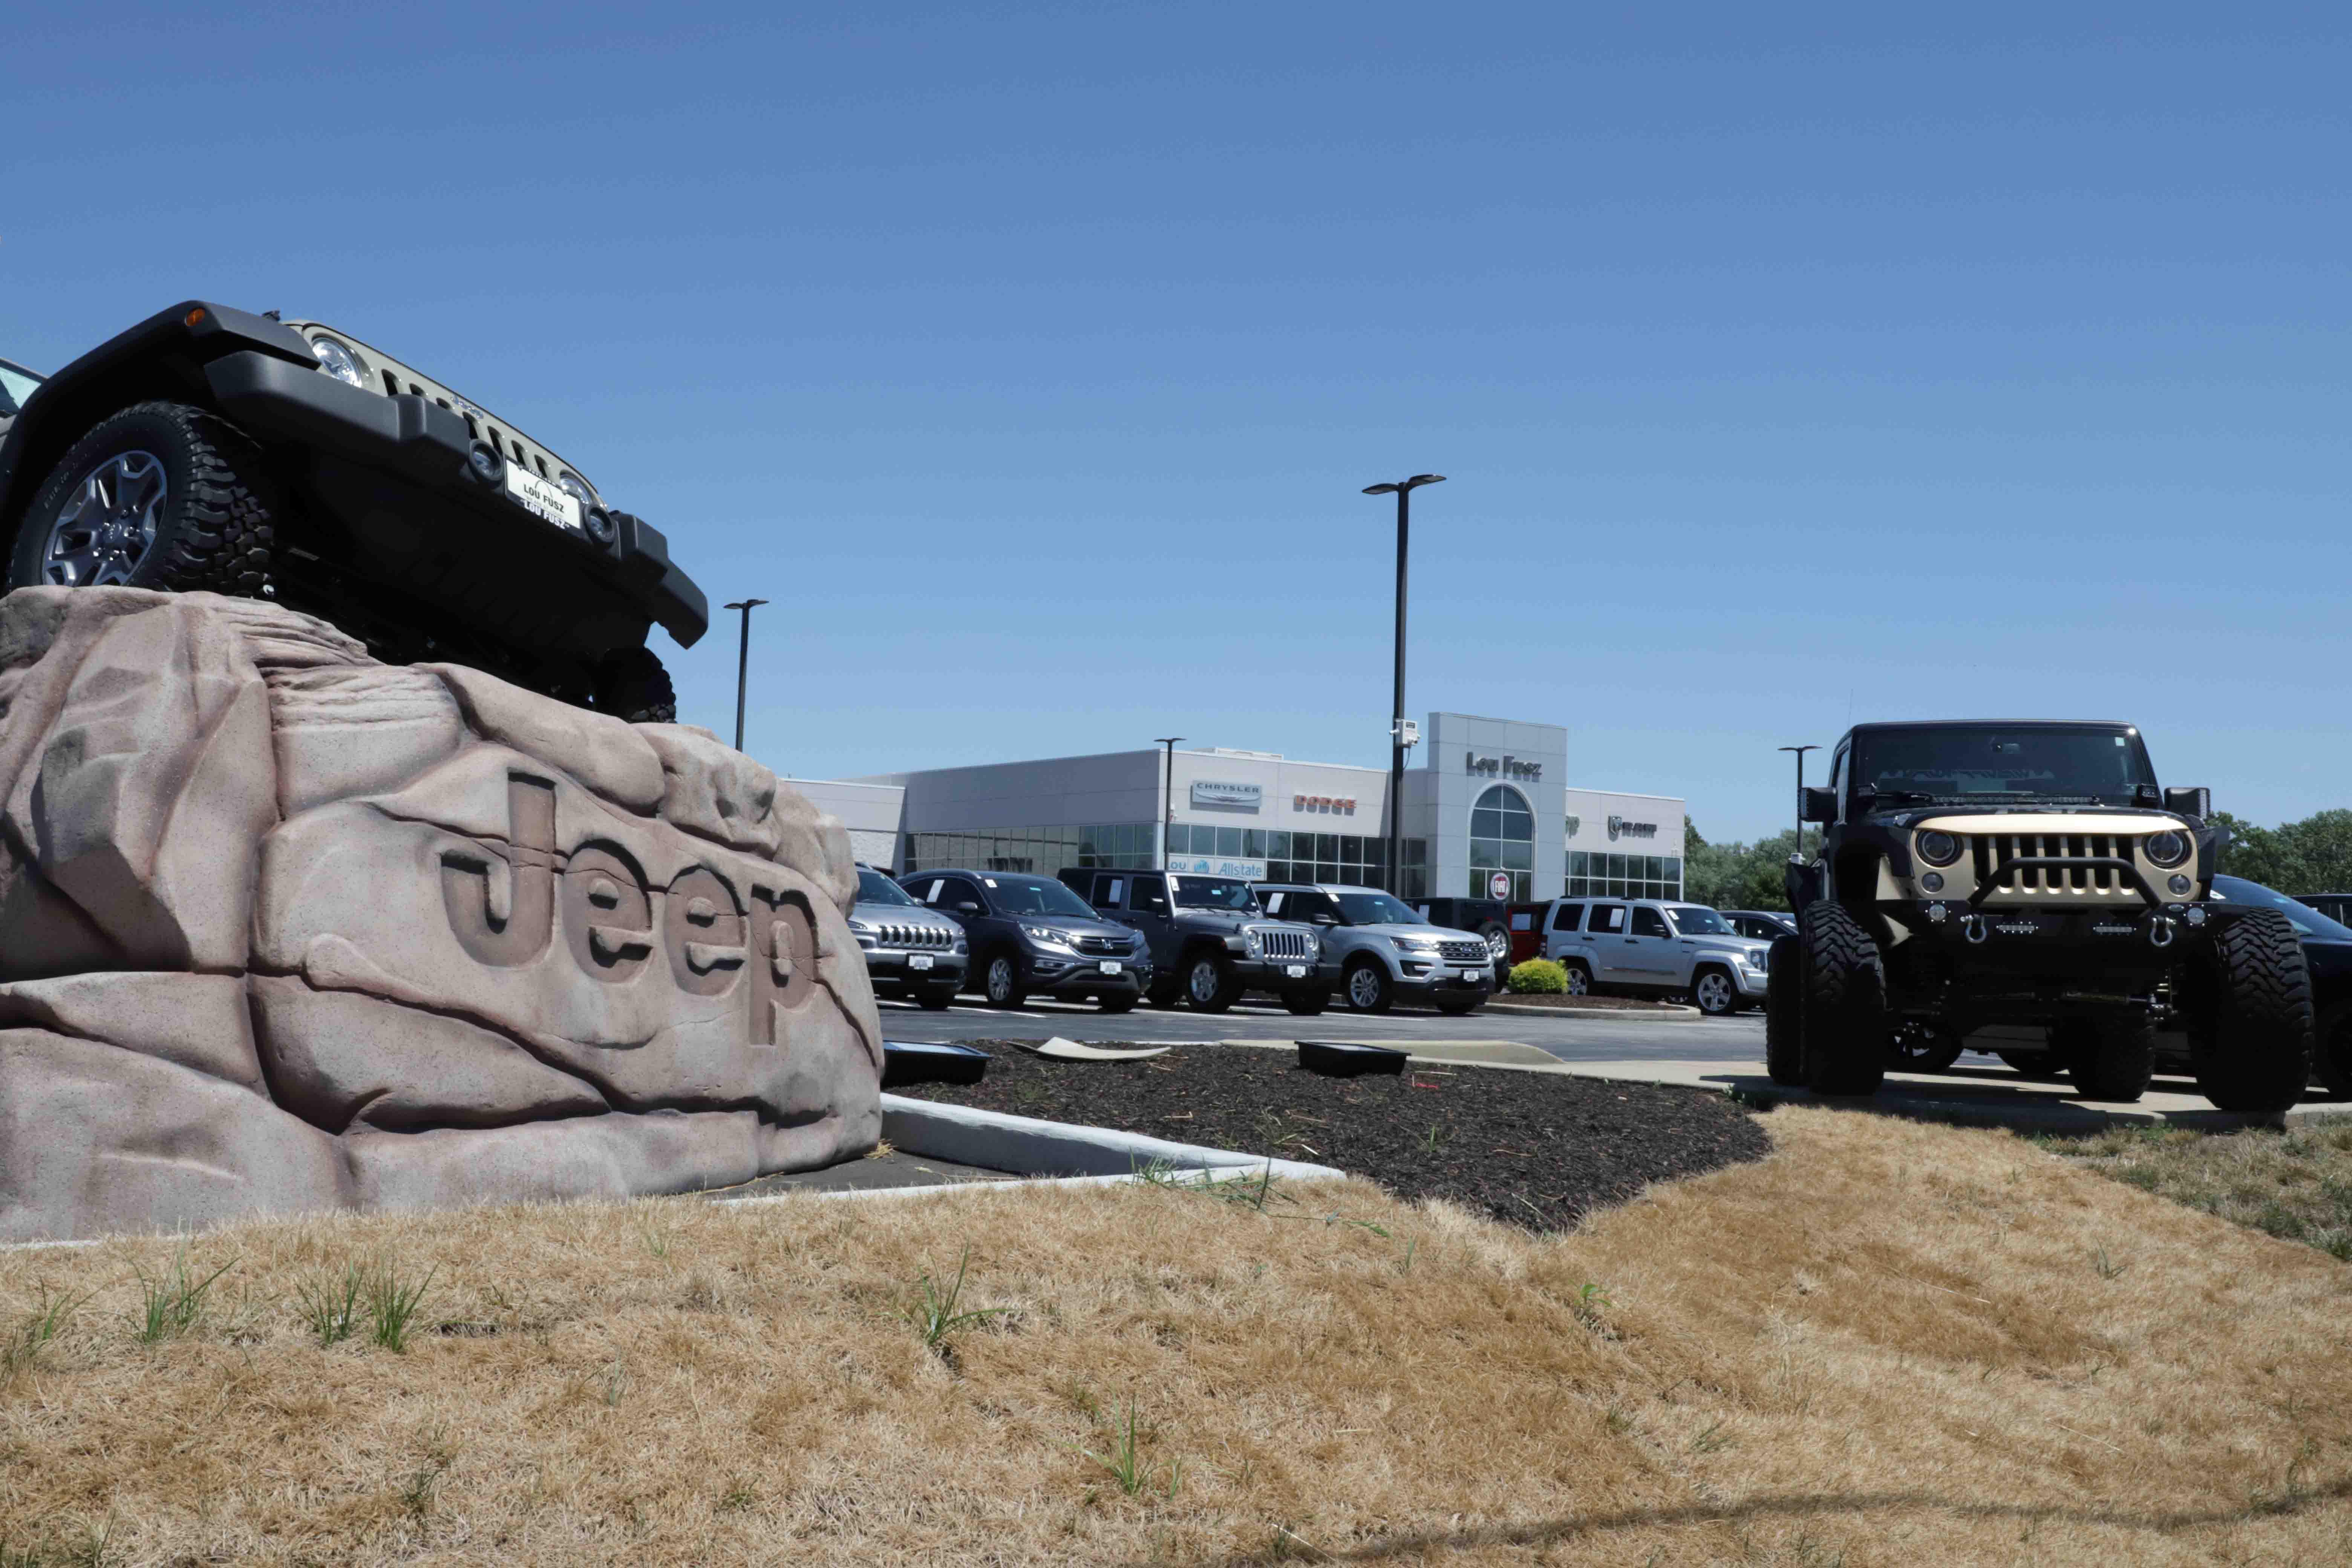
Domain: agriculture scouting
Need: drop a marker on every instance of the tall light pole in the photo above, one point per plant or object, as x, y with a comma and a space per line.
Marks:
1403, 493
1168, 793
743, 661
1798, 852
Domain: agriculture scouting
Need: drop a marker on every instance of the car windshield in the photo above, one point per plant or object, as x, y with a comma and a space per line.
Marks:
1036, 896
2307, 920
2091, 764
874, 888
1694, 919
1376, 909
1213, 893
16, 384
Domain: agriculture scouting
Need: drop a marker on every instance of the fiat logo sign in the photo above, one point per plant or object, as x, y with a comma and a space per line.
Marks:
1499, 885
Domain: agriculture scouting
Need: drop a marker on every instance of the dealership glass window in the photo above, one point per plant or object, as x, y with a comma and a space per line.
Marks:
1123, 845
1592, 872
1501, 838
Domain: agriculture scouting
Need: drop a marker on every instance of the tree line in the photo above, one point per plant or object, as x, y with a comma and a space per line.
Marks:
2312, 855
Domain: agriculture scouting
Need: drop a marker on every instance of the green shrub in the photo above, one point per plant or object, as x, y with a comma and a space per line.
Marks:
1539, 977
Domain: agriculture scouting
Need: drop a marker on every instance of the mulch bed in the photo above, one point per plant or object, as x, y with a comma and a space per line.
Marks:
1612, 1004
1536, 1150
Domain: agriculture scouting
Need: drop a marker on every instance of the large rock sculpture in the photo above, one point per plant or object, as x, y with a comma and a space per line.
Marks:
282, 928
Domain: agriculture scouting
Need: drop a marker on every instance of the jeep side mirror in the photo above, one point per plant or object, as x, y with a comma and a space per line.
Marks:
1817, 805
2197, 803
968, 907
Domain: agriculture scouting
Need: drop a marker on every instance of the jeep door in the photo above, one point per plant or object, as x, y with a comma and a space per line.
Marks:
1147, 911
1653, 953
1605, 945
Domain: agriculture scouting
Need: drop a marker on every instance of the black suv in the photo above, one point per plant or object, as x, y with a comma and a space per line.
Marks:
2027, 873
1030, 933
1210, 941
208, 449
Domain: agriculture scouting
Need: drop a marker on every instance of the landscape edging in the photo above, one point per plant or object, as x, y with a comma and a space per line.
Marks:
1673, 1012
1026, 1145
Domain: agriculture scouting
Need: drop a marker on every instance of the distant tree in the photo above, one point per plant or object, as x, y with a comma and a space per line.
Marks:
1740, 876
2312, 855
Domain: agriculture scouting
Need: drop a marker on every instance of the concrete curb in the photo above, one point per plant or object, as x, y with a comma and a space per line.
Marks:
1675, 1014
1026, 1145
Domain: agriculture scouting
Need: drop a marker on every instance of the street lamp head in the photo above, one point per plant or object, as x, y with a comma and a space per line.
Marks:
1166, 740
1420, 479
1801, 750
1381, 489
743, 603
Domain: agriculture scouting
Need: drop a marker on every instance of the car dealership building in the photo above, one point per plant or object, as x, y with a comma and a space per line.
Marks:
1486, 813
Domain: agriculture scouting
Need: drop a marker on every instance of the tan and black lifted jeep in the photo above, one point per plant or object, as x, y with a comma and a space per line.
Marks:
2026, 873
206, 447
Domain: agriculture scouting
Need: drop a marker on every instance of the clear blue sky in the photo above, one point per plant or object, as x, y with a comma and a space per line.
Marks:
1788, 367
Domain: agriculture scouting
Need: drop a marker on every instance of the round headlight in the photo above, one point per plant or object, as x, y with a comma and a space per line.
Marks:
338, 360
2167, 849
576, 487
1938, 848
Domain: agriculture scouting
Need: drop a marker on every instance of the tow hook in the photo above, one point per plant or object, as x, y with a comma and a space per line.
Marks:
2160, 931
1973, 927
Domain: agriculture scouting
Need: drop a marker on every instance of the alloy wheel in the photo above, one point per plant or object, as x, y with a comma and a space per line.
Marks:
107, 528
1713, 993
1363, 988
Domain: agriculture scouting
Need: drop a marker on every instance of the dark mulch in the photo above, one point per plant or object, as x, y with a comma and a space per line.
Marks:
1537, 1150
1593, 1000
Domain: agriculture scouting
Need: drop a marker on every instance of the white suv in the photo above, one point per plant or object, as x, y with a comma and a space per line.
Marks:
1654, 945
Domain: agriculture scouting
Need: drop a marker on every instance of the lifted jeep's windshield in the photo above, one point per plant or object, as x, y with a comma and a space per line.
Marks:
2091, 765
1213, 893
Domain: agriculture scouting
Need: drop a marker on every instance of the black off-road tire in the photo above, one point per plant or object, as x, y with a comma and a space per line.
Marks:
1784, 1025
1165, 992
2115, 1058
1119, 1002
2331, 1045
1845, 1002
2255, 1057
1907, 1050
218, 521
632, 685
1307, 1002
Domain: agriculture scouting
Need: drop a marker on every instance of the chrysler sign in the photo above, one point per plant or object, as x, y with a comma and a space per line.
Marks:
1223, 797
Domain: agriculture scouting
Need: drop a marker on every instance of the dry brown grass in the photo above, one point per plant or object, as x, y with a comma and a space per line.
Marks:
1886, 1343
2296, 1185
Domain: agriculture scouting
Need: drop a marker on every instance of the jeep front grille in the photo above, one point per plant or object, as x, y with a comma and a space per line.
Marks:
921, 936
1465, 952
1278, 944
1993, 851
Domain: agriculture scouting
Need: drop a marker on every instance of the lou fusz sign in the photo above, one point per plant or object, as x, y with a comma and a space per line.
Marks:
1507, 767
1230, 797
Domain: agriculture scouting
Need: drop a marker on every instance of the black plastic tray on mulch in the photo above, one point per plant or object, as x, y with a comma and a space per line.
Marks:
1535, 1149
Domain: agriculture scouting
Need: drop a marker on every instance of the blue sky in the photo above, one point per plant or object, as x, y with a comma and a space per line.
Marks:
1787, 370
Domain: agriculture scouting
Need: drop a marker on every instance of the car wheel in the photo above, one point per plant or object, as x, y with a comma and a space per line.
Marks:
1716, 996
2117, 1059
2256, 1056
1369, 987
1579, 979
1209, 983
1309, 1002
632, 685
159, 495
934, 998
1784, 1043
1002, 981
1844, 1008
2332, 1042
1915, 1046
1498, 941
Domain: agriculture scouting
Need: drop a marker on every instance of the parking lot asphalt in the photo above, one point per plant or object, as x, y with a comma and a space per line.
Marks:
1735, 1040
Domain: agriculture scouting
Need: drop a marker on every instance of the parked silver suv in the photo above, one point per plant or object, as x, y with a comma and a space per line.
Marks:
916, 951
1376, 948
1656, 945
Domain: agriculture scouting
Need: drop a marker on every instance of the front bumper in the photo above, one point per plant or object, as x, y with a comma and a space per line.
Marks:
1431, 976
892, 964
1083, 975
1751, 981
1277, 974
2037, 936
421, 447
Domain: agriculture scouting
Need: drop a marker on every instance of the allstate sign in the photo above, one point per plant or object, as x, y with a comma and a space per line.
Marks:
1219, 866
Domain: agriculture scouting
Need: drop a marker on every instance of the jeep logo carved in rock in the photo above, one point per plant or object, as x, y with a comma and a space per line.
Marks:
608, 915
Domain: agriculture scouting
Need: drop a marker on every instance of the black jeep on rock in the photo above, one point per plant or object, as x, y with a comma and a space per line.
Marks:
208, 449
2027, 873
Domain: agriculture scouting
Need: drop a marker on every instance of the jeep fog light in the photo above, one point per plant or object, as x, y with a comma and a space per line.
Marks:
1933, 881
2179, 884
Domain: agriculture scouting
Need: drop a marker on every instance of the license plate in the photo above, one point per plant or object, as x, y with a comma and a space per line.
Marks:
548, 502
1473, 973
1296, 972
919, 961
1112, 966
